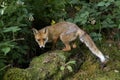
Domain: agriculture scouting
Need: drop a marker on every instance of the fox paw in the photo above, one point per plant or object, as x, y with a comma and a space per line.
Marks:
66, 49
74, 45
104, 64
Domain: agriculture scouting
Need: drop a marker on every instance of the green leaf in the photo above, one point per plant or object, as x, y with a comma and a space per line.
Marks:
82, 17
101, 3
107, 4
1, 23
62, 68
119, 26
2, 11
96, 36
112, 0
85, 14
11, 29
62, 57
71, 62
74, 1
70, 68
117, 3
6, 50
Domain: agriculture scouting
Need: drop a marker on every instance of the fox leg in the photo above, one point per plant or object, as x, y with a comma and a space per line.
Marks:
54, 43
74, 45
65, 39
67, 47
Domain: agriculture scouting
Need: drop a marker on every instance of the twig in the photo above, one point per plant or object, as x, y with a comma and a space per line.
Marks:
5, 67
18, 39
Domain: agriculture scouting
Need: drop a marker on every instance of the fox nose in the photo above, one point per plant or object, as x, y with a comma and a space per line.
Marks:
42, 46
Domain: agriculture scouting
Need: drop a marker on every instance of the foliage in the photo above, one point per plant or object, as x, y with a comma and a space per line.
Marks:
13, 33
67, 66
98, 16
92, 15
47, 9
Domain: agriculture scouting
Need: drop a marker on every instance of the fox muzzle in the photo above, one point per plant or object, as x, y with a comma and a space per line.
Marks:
42, 46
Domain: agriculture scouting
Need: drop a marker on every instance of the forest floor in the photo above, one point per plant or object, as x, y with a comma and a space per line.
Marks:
90, 69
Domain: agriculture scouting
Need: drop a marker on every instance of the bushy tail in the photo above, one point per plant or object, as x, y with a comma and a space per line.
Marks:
85, 38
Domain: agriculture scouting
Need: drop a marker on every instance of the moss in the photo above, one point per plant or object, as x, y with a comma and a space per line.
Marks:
90, 69
43, 67
17, 74
47, 66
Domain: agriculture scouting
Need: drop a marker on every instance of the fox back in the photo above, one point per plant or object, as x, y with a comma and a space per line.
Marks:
52, 33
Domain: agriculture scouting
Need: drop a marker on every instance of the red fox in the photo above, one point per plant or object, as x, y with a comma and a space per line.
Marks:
67, 32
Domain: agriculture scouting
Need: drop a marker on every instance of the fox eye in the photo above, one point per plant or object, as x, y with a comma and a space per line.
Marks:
38, 39
44, 39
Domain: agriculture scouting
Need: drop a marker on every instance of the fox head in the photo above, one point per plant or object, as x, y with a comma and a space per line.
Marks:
41, 36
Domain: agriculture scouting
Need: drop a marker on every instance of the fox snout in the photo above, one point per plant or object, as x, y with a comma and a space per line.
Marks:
42, 43
42, 46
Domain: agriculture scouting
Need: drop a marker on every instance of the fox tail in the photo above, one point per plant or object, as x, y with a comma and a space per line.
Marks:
86, 39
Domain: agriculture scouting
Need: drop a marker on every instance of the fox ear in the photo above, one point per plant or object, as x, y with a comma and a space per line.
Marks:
45, 31
35, 31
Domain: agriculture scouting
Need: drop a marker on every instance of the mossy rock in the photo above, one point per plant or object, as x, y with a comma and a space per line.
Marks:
44, 67
17, 74
47, 65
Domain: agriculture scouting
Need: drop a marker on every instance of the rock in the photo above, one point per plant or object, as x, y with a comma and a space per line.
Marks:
45, 67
